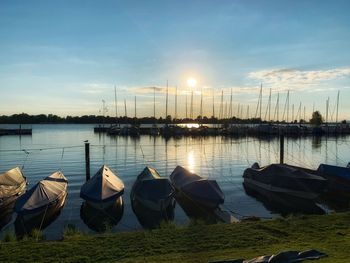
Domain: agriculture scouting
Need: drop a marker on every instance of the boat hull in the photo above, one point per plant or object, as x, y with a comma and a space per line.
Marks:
26, 222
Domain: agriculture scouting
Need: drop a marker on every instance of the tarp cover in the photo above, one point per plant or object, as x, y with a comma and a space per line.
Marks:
283, 257
11, 182
103, 186
207, 192
150, 186
334, 171
43, 193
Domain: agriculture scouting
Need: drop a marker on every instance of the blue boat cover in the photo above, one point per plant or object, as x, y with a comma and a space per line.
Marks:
102, 187
44, 193
203, 191
334, 171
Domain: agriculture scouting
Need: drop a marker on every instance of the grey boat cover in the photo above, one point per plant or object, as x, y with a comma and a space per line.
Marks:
102, 187
282, 257
202, 191
11, 182
151, 186
43, 194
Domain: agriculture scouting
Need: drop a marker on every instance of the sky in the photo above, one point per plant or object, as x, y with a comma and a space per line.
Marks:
65, 57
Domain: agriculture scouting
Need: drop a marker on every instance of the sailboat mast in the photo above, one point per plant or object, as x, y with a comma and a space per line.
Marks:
186, 105
336, 117
260, 98
126, 114
191, 108
327, 105
154, 103
115, 104
213, 105
230, 109
166, 102
201, 110
135, 107
270, 106
175, 117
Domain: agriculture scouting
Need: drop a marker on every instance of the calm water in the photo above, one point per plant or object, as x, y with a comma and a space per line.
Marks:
61, 147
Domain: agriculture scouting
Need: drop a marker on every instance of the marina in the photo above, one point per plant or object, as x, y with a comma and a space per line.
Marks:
221, 158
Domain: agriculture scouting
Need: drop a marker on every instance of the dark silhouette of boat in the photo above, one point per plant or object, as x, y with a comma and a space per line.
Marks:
102, 195
41, 205
285, 179
152, 198
198, 197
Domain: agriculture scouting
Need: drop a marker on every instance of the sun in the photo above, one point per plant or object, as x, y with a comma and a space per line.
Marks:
191, 82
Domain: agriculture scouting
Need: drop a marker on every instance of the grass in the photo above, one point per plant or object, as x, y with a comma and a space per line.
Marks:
194, 243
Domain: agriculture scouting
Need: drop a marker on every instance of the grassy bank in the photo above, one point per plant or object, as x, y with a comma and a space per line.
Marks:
195, 243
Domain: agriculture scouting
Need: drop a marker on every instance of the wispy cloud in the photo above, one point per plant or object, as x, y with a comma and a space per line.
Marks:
295, 79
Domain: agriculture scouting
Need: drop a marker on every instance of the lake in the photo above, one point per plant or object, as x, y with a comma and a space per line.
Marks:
61, 147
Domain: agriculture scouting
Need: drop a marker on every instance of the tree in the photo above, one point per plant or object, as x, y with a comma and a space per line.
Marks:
316, 119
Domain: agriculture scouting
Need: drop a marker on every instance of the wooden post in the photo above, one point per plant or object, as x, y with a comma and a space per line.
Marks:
282, 148
87, 160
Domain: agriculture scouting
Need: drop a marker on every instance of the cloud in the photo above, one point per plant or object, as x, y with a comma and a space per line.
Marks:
295, 79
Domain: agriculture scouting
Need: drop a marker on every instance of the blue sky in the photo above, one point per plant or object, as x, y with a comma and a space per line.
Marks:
64, 57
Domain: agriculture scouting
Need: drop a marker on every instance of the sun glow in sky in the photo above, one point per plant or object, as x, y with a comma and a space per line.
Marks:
64, 57
191, 82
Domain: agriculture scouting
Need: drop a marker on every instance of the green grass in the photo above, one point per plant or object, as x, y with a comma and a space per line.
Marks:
194, 243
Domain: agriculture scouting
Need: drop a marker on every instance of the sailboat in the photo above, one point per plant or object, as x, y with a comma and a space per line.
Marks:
154, 130
115, 129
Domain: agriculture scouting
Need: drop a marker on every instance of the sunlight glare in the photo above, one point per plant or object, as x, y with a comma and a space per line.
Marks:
191, 82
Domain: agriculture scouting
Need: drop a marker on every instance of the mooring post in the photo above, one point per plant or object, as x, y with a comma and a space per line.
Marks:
87, 160
281, 148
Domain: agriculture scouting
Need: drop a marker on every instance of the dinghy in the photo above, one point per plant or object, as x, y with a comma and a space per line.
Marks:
39, 206
12, 185
152, 198
198, 197
285, 179
103, 200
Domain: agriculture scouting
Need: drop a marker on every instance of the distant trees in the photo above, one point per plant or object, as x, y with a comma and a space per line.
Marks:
316, 119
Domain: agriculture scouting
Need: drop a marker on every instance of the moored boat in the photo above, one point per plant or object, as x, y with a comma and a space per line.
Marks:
338, 177
12, 185
285, 179
103, 192
39, 206
152, 198
198, 197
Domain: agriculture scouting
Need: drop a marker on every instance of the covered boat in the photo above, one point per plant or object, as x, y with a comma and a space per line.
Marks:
12, 185
103, 189
338, 177
39, 206
285, 179
152, 198
198, 197
103, 205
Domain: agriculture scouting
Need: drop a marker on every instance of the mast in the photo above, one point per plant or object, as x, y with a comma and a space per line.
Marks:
336, 116
191, 107
260, 101
327, 105
201, 109
278, 106
154, 103
115, 105
304, 113
186, 105
230, 109
135, 107
213, 105
166, 102
270, 106
126, 114
175, 117
247, 112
